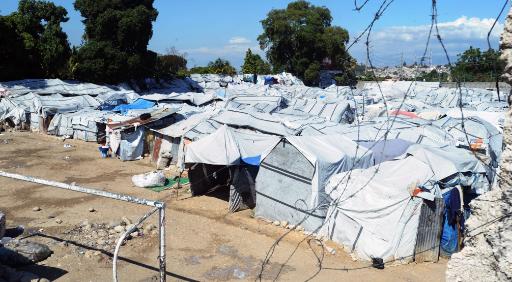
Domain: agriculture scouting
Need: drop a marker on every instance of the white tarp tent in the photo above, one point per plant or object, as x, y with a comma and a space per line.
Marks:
291, 179
373, 212
227, 147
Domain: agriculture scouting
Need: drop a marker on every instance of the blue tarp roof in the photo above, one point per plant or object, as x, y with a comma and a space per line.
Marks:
139, 104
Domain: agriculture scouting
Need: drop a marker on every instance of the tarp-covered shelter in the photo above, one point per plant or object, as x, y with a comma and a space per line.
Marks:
375, 212
87, 125
291, 180
228, 158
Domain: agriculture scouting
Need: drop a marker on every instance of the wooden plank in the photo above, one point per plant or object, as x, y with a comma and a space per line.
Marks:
430, 229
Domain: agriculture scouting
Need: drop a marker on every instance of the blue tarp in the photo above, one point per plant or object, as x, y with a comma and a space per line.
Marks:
450, 236
139, 104
252, 160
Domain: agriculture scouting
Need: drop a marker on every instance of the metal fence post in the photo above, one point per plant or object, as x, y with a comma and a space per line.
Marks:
162, 243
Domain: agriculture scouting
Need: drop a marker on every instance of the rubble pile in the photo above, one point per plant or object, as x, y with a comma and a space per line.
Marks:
104, 236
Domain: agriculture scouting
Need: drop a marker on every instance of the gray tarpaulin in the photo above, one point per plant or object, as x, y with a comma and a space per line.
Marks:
291, 180
132, 144
57, 86
228, 147
372, 212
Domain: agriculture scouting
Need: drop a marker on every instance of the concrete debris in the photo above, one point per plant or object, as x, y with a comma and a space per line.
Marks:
119, 229
148, 228
126, 221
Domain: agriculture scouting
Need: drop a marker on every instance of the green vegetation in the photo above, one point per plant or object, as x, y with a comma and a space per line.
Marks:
32, 43
433, 76
116, 38
475, 65
254, 64
171, 65
218, 66
301, 40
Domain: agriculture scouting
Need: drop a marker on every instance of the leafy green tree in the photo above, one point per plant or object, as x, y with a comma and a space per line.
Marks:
221, 66
200, 70
116, 38
433, 76
475, 65
172, 64
254, 64
300, 39
168, 66
32, 42
14, 62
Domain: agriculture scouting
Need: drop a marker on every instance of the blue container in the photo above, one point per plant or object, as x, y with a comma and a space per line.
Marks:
103, 151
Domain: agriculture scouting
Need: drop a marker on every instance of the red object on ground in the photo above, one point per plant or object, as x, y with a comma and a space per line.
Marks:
403, 113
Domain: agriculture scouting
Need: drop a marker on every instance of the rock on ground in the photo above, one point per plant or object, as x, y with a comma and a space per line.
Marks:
487, 255
17, 253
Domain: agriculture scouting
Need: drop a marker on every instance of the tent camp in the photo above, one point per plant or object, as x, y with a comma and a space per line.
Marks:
291, 179
373, 212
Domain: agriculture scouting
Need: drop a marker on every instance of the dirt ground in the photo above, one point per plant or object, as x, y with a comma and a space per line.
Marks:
204, 241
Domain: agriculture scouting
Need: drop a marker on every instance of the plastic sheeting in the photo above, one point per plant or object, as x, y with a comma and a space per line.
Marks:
57, 86
51, 105
132, 145
139, 104
226, 147
330, 155
372, 212
291, 181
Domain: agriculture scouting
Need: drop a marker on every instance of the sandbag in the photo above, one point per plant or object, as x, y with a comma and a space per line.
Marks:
150, 179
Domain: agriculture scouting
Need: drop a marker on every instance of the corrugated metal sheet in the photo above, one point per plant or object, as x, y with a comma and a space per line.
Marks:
429, 231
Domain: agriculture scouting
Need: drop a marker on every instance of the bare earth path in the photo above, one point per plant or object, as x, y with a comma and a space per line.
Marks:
204, 241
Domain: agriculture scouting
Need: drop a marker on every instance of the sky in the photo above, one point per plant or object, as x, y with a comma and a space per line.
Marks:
205, 30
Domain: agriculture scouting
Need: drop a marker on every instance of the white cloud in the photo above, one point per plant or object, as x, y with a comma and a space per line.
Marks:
457, 35
233, 50
239, 40
461, 28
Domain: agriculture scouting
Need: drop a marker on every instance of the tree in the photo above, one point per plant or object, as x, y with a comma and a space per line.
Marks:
14, 61
116, 38
301, 39
219, 66
32, 42
433, 76
254, 64
475, 65
200, 70
170, 65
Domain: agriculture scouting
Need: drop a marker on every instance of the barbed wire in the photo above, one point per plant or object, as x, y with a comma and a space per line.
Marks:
433, 27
